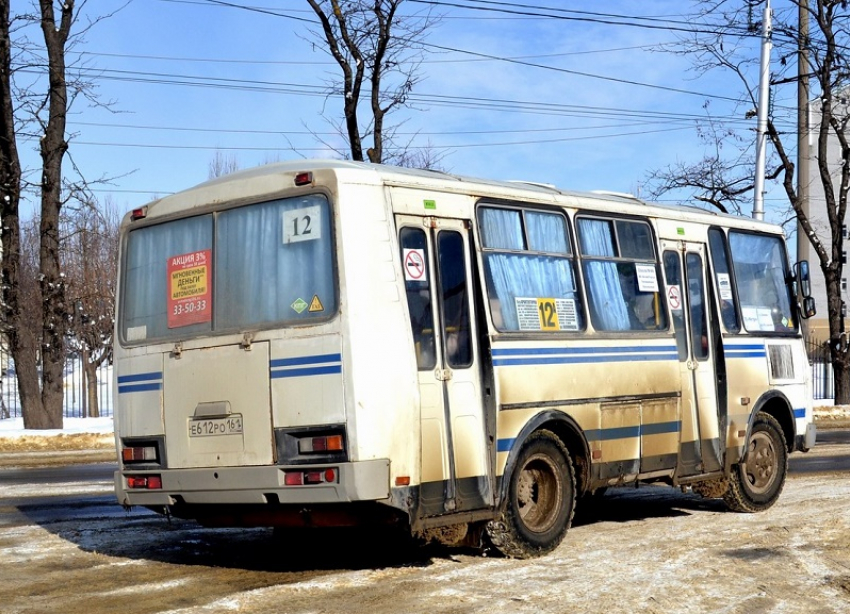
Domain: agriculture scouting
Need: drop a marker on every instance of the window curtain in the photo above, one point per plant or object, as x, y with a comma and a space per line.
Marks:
607, 304
501, 229
546, 233
259, 277
528, 276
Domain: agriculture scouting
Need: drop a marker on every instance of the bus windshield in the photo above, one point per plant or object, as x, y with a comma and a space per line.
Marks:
760, 274
250, 267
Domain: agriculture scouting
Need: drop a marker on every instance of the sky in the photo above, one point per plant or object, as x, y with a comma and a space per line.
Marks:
580, 98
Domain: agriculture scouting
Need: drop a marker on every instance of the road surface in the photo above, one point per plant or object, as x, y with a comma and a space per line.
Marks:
67, 547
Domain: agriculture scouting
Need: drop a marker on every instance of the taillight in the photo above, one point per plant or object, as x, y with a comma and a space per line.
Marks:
144, 482
305, 178
139, 214
325, 443
139, 454
310, 476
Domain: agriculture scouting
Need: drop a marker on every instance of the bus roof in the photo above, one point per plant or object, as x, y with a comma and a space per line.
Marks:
257, 182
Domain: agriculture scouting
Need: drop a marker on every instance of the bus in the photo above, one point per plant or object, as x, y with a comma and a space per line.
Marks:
335, 343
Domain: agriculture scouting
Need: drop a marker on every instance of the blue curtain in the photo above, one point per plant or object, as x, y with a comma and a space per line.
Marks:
528, 276
546, 232
607, 304
501, 229
259, 277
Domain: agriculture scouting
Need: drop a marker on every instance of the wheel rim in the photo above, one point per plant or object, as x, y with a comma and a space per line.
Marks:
761, 467
539, 493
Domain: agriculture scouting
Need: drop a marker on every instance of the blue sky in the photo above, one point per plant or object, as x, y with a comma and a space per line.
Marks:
160, 137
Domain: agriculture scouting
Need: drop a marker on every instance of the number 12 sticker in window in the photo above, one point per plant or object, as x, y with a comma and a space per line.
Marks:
302, 224
546, 313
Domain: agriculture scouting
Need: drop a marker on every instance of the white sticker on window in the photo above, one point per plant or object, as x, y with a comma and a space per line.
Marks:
137, 333
567, 314
647, 281
751, 318
302, 224
527, 314
724, 286
765, 319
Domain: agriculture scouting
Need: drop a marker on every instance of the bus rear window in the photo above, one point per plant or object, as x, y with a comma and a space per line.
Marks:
244, 268
760, 274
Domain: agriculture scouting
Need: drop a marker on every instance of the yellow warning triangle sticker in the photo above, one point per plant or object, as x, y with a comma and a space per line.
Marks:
316, 304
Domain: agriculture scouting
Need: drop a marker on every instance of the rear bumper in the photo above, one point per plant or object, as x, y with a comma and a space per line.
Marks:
356, 481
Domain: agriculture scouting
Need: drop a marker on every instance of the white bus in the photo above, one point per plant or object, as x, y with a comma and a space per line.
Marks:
333, 343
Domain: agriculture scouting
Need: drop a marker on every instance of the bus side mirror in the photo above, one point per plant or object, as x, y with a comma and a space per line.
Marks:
801, 270
804, 290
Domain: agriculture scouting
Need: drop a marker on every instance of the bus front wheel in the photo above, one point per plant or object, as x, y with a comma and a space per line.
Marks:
757, 481
540, 499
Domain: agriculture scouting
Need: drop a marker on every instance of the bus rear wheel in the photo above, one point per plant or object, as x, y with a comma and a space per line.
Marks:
757, 481
540, 500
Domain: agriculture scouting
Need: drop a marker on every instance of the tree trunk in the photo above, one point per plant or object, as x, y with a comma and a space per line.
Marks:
53, 148
22, 345
90, 373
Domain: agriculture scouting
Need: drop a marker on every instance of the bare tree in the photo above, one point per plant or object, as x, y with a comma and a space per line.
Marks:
36, 108
825, 50
378, 49
222, 164
90, 263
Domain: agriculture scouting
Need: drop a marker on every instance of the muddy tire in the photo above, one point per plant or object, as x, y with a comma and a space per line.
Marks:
757, 481
540, 501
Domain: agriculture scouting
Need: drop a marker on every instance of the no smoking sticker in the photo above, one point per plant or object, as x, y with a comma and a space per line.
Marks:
674, 297
414, 265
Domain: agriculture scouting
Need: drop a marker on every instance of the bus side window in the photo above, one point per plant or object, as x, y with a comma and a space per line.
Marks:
723, 280
621, 275
528, 258
419, 301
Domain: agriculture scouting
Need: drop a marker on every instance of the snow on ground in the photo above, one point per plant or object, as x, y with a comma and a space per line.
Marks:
14, 427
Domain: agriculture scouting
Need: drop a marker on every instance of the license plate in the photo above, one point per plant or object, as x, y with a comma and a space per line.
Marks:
210, 427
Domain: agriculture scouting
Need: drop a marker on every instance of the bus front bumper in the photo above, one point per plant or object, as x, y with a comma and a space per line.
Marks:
354, 481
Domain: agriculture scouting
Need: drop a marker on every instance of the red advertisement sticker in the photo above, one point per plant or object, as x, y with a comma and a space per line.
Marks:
189, 289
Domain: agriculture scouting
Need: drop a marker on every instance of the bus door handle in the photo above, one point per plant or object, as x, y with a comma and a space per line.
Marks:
443, 375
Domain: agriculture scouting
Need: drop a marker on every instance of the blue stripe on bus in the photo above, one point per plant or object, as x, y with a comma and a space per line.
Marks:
744, 350
507, 357
306, 366
305, 360
139, 387
800, 412
140, 382
307, 371
139, 377
622, 432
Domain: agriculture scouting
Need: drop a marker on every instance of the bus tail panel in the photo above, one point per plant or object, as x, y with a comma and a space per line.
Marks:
217, 409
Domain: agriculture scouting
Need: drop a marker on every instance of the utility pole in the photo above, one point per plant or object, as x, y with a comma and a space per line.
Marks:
803, 153
764, 93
